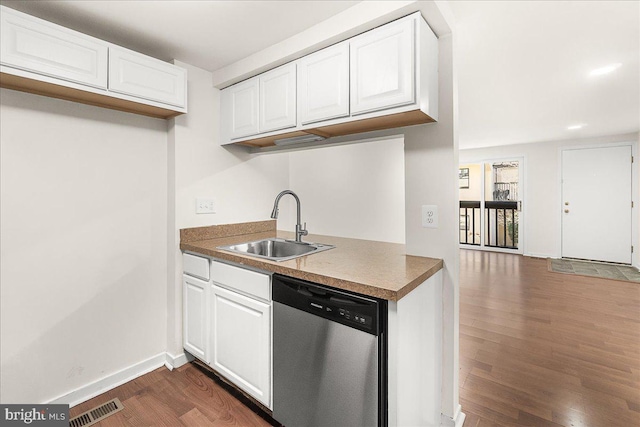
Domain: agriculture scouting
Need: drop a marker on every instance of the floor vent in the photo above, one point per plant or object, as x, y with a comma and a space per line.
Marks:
95, 415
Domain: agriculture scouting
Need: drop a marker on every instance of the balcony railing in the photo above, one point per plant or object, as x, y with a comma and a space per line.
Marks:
500, 224
470, 222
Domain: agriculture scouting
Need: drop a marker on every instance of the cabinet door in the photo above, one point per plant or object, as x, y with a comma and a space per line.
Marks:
194, 317
278, 98
135, 74
383, 67
41, 47
239, 105
323, 84
241, 342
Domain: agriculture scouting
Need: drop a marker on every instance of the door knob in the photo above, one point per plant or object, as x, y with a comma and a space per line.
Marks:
566, 211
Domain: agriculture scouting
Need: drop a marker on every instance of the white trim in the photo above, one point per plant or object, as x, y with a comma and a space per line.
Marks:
490, 249
534, 255
175, 361
506, 251
456, 421
111, 381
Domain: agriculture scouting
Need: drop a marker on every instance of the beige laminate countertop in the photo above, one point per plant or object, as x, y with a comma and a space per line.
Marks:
377, 269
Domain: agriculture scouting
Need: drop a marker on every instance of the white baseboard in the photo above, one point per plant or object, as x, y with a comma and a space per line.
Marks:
173, 362
534, 255
111, 381
456, 421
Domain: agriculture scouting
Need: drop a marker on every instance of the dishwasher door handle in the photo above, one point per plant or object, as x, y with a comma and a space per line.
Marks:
314, 293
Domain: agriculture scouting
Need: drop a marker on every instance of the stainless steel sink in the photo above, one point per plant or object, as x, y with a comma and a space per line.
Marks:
277, 249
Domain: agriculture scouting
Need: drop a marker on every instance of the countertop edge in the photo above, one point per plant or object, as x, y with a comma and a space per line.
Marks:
326, 280
419, 280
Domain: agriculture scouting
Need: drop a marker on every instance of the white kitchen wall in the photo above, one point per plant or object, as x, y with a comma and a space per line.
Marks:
542, 187
431, 162
243, 185
354, 190
83, 249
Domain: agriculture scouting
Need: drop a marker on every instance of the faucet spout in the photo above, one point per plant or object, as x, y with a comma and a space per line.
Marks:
300, 230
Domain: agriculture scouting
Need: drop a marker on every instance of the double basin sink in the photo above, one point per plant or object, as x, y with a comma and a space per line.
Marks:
276, 249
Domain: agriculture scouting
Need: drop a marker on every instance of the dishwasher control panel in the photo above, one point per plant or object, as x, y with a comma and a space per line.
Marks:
352, 310
348, 316
359, 318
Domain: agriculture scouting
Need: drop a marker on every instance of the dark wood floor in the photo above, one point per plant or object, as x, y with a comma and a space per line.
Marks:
536, 349
182, 397
546, 349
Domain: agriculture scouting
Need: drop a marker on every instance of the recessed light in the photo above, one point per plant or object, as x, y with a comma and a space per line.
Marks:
605, 70
575, 127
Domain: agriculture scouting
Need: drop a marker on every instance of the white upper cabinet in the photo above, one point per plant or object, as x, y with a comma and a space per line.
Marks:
323, 84
40, 57
240, 108
132, 73
384, 78
278, 98
41, 47
261, 104
383, 67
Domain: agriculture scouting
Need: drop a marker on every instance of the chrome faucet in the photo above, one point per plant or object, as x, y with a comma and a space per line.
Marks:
300, 230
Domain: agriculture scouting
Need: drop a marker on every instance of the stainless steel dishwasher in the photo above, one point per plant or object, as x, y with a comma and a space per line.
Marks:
329, 356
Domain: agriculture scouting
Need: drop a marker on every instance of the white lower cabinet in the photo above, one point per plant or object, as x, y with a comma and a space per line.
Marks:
195, 293
241, 341
227, 322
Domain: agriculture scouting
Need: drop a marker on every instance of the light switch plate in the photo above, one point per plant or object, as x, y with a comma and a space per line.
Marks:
205, 205
430, 216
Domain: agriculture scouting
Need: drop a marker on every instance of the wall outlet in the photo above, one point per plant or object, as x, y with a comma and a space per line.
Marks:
430, 216
205, 206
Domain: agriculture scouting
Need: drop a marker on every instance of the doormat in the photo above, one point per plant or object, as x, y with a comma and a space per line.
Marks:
594, 269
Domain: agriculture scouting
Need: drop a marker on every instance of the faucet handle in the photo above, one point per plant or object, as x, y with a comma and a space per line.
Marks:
304, 231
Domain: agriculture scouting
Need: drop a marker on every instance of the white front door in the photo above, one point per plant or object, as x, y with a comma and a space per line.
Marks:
596, 204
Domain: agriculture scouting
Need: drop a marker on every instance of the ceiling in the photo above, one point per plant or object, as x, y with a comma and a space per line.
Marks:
523, 70
523, 66
207, 34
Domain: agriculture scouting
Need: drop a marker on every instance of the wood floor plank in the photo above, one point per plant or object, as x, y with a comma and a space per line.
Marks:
195, 418
510, 396
182, 397
534, 385
562, 350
